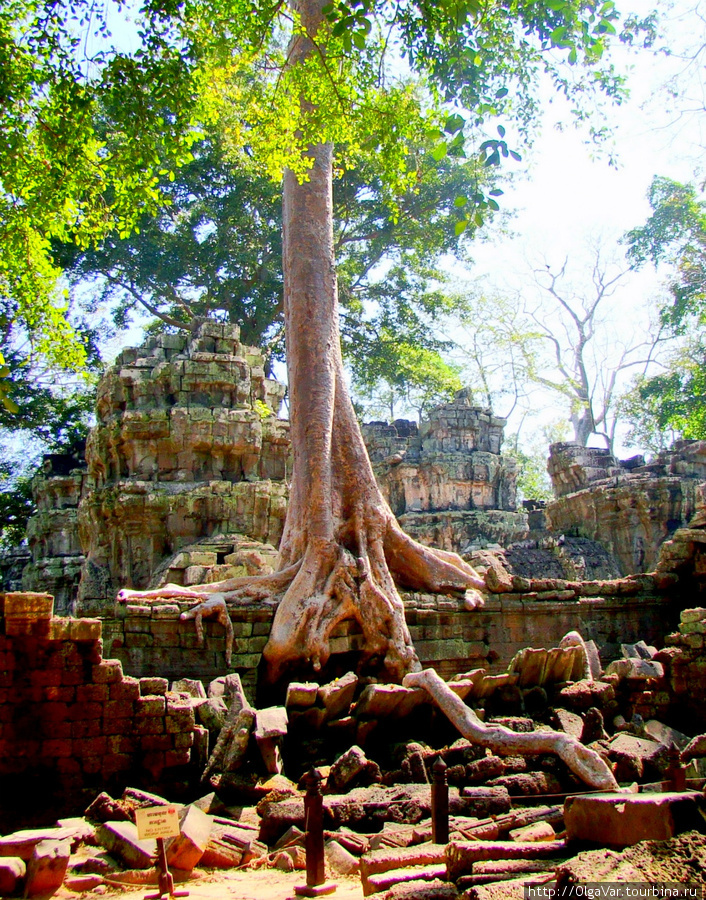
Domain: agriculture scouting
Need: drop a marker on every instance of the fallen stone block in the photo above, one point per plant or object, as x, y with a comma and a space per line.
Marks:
212, 713
436, 889
337, 696
636, 668
620, 820
186, 849
481, 802
46, 868
663, 734
340, 860
105, 809
695, 748
120, 839
387, 880
380, 701
401, 858
22, 843
220, 855
537, 831
230, 688
394, 835
191, 686
355, 843
301, 695
81, 883
461, 855
636, 757
12, 871
584, 694
84, 832
345, 770
570, 722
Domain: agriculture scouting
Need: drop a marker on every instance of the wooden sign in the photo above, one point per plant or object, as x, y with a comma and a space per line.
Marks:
157, 822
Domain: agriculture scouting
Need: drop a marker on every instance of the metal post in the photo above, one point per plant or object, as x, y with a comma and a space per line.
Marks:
314, 839
439, 804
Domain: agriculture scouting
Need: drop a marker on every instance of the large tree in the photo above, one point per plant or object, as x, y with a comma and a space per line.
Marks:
342, 553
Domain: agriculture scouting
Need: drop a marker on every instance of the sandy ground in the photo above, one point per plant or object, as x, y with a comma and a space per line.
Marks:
258, 884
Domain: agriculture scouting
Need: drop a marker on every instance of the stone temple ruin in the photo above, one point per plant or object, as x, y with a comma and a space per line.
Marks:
592, 632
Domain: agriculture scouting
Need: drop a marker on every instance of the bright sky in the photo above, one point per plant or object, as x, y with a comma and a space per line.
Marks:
569, 199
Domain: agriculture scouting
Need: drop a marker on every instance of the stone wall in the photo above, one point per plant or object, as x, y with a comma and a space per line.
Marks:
70, 716
149, 637
629, 507
446, 480
187, 445
52, 532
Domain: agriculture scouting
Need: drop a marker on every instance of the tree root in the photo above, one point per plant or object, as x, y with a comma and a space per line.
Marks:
585, 763
329, 585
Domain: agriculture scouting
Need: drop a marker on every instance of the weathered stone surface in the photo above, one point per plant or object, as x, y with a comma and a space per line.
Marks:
345, 770
445, 479
636, 668
584, 694
301, 694
695, 749
460, 856
418, 889
120, 839
12, 871
537, 831
630, 507
22, 843
185, 850
212, 713
620, 820
46, 868
179, 451
340, 860
337, 696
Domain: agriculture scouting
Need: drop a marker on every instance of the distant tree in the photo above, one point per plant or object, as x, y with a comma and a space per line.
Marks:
673, 403
558, 339
398, 376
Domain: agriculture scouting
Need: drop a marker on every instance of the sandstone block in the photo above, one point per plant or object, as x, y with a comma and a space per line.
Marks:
108, 672
86, 629
621, 820
185, 851
461, 856
341, 860
150, 706
153, 686
301, 694
12, 871
337, 696
120, 840
345, 770
46, 868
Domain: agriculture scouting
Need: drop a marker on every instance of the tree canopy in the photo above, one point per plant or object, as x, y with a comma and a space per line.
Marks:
674, 236
88, 135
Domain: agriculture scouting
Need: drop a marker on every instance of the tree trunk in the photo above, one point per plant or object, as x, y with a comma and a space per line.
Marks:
338, 524
342, 550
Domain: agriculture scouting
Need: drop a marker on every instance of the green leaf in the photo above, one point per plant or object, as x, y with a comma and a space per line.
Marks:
460, 226
439, 152
460, 201
503, 92
501, 131
496, 192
